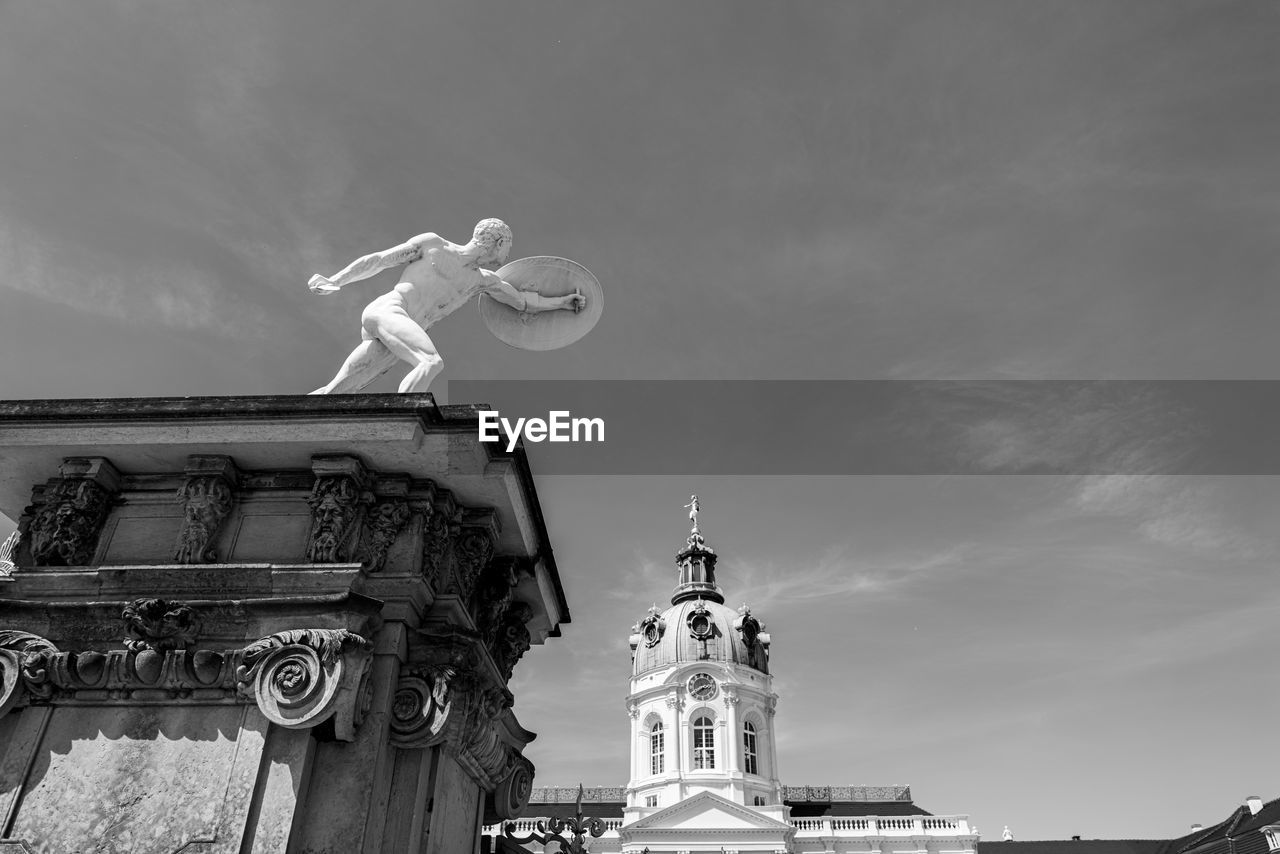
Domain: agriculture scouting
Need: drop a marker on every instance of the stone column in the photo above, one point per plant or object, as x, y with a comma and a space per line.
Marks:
733, 751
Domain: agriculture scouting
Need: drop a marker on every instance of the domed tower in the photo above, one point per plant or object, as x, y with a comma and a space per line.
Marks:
701, 698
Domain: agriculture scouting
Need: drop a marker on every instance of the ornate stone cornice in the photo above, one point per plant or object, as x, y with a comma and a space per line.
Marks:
207, 496
299, 678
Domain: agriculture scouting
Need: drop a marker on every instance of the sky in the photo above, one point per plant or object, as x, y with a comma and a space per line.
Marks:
858, 190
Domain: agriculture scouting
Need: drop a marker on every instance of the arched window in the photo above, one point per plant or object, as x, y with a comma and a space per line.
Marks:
704, 744
657, 753
749, 762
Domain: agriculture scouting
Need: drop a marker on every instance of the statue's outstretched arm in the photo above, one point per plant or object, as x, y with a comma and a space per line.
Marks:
363, 268
508, 294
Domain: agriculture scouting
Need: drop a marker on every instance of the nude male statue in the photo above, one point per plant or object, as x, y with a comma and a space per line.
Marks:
439, 278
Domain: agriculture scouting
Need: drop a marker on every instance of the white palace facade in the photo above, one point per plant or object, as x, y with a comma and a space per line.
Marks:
704, 762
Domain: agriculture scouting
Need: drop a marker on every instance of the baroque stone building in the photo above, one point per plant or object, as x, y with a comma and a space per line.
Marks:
704, 762
278, 624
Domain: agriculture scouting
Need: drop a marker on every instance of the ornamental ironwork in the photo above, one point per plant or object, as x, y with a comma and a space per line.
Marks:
553, 830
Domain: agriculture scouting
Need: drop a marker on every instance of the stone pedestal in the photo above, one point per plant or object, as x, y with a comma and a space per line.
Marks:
272, 624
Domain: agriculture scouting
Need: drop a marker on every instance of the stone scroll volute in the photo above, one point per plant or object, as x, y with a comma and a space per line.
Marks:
23, 667
304, 677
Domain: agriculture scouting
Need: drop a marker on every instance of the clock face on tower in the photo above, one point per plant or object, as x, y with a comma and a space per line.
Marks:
702, 686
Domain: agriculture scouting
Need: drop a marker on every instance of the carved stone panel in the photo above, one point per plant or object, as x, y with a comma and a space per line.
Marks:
473, 550
494, 594
512, 639
386, 520
159, 625
338, 500
437, 547
207, 496
62, 527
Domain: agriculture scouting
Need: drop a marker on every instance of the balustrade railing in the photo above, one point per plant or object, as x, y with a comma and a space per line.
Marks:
886, 825
823, 825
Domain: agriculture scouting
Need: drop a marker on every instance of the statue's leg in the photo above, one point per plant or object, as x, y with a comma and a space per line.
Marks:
370, 360
410, 343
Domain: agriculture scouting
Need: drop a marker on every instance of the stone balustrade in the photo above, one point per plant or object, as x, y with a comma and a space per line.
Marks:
882, 825
952, 825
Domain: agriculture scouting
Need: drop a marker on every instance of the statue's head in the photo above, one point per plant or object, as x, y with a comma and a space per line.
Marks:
493, 236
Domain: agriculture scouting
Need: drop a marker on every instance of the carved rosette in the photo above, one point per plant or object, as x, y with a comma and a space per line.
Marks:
473, 550
421, 706
207, 497
512, 639
159, 625
304, 677
385, 522
62, 528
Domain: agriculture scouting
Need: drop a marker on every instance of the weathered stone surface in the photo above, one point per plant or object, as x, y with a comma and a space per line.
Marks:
152, 779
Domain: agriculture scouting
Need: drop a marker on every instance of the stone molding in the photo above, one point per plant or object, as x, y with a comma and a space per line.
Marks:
298, 678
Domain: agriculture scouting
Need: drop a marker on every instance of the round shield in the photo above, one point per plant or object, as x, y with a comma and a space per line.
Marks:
547, 276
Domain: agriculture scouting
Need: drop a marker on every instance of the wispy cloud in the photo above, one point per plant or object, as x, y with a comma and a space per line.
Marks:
174, 295
1054, 426
1179, 512
841, 571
